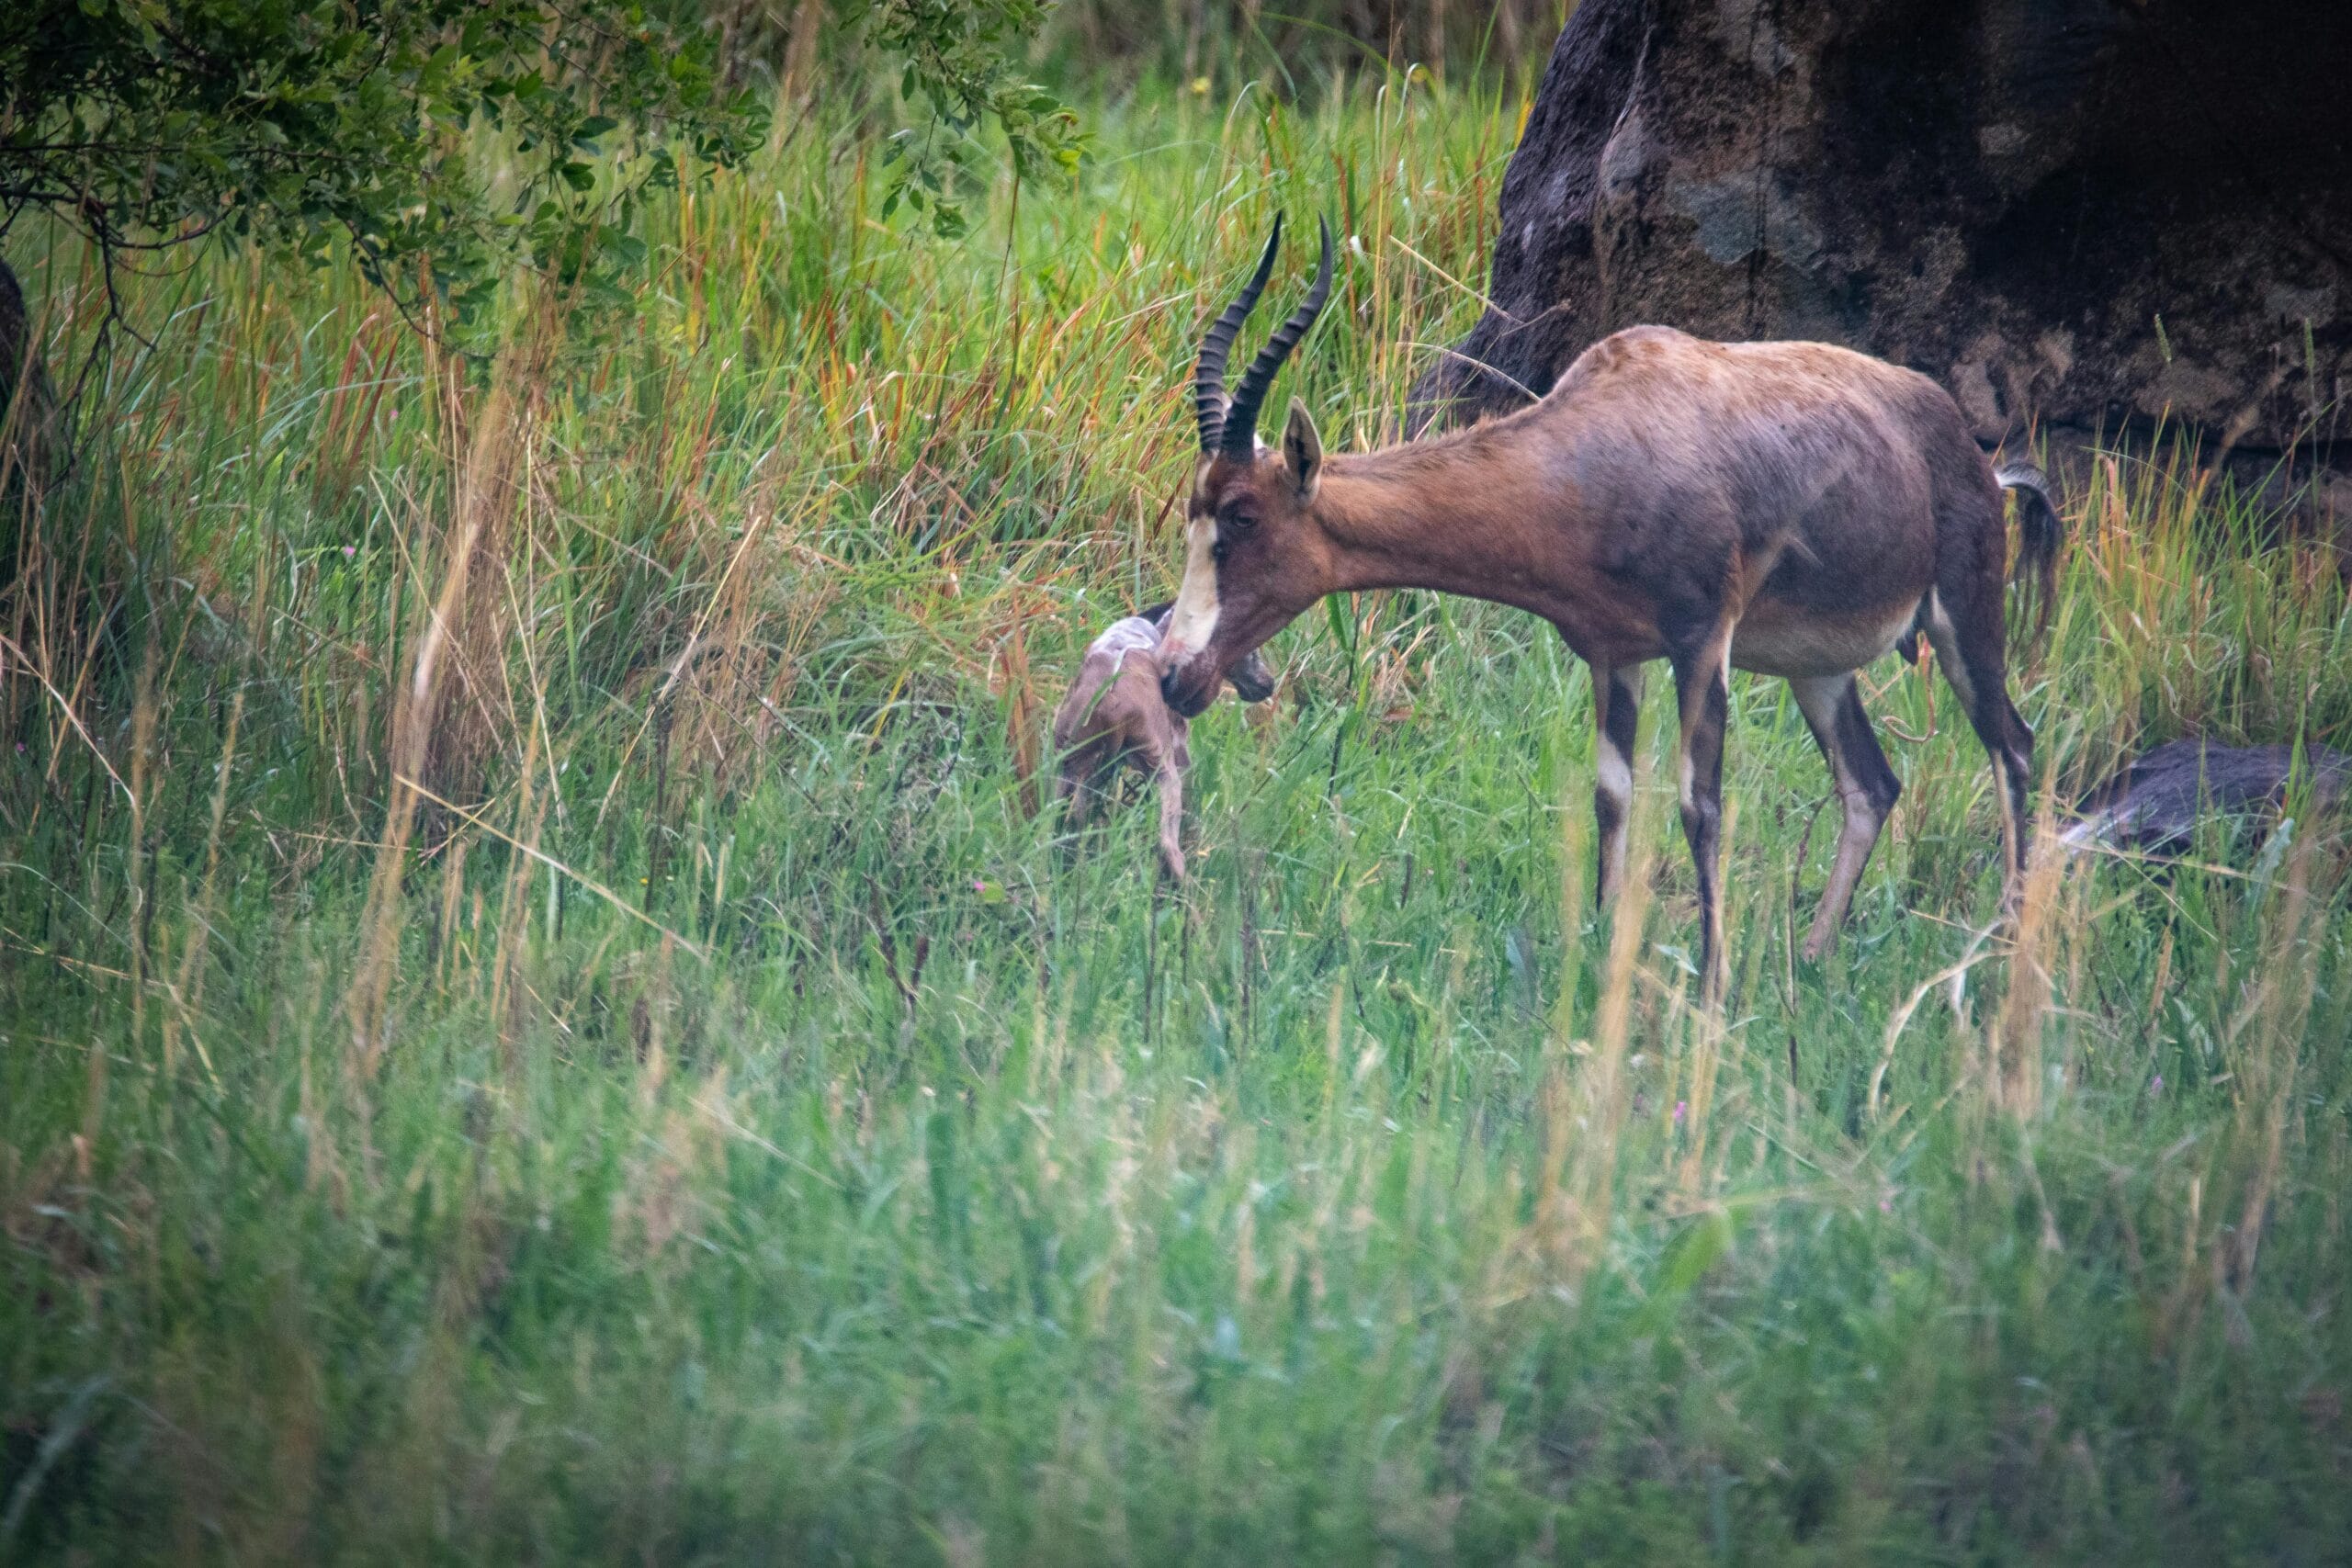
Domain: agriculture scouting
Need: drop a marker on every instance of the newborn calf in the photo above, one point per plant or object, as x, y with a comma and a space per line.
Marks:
1114, 715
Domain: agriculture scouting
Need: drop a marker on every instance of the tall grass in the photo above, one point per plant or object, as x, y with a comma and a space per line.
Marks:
1304, 40
544, 1018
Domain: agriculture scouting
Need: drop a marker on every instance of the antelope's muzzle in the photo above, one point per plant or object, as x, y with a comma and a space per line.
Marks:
1189, 684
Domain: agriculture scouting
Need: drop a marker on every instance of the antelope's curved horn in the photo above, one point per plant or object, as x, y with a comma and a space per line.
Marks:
1239, 436
1208, 382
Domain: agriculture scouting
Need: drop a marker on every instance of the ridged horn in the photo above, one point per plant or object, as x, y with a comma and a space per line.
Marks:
1239, 438
1209, 381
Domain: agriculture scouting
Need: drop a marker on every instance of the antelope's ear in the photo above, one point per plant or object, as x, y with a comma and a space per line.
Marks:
1303, 451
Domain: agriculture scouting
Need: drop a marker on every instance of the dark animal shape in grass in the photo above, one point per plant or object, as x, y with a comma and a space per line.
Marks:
1113, 715
2155, 802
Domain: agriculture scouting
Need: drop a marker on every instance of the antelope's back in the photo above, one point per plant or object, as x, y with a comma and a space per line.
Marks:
1660, 422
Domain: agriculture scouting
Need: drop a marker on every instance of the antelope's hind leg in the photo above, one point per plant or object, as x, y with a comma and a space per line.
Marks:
1866, 785
1970, 645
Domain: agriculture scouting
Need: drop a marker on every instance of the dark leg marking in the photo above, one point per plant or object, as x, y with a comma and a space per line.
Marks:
1868, 787
1617, 703
1701, 685
1970, 645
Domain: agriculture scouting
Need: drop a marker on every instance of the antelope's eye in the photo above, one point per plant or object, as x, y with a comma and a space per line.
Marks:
1241, 522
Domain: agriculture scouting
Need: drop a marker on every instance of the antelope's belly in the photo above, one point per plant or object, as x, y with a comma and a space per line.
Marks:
1775, 637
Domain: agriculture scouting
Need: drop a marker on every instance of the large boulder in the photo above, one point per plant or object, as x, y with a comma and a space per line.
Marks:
2101, 216
2157, 802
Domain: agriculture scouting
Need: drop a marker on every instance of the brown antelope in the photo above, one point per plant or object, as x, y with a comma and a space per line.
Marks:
1790, 508
1113, 715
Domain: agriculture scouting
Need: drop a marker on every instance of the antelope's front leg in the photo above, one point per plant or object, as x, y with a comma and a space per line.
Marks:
1616, 704
1702, 690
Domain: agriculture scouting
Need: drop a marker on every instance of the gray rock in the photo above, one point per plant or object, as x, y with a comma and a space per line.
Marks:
2155, 802
2091, 215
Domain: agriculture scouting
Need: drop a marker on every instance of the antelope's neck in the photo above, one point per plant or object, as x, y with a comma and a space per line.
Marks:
1447, 517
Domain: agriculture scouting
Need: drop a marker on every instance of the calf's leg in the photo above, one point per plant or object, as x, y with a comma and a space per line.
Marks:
1085, 779
1172, 819
1170, 755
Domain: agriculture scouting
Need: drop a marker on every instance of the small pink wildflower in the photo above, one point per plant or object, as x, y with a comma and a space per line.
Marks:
349, 551
1886, 1205
1681, 1108
2157, 1087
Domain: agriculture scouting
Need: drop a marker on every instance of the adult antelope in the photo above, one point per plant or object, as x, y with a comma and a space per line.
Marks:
1790, 508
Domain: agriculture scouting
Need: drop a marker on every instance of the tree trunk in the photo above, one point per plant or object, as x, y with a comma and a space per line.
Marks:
2084, 217
28, 433
27, 406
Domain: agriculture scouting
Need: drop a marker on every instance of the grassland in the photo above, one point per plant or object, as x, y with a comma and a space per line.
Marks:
657, 1087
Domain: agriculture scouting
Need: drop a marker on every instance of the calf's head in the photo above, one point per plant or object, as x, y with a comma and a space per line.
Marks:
1254, 554
1251, 679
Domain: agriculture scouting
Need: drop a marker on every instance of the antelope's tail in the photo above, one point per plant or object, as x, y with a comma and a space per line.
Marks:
2040, 532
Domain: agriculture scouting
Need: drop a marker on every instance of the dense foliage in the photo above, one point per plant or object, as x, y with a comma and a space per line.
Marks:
441, 143
146, 124
957, 55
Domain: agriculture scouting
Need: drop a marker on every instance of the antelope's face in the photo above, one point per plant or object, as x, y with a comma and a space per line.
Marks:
1253, 560
1253, 553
